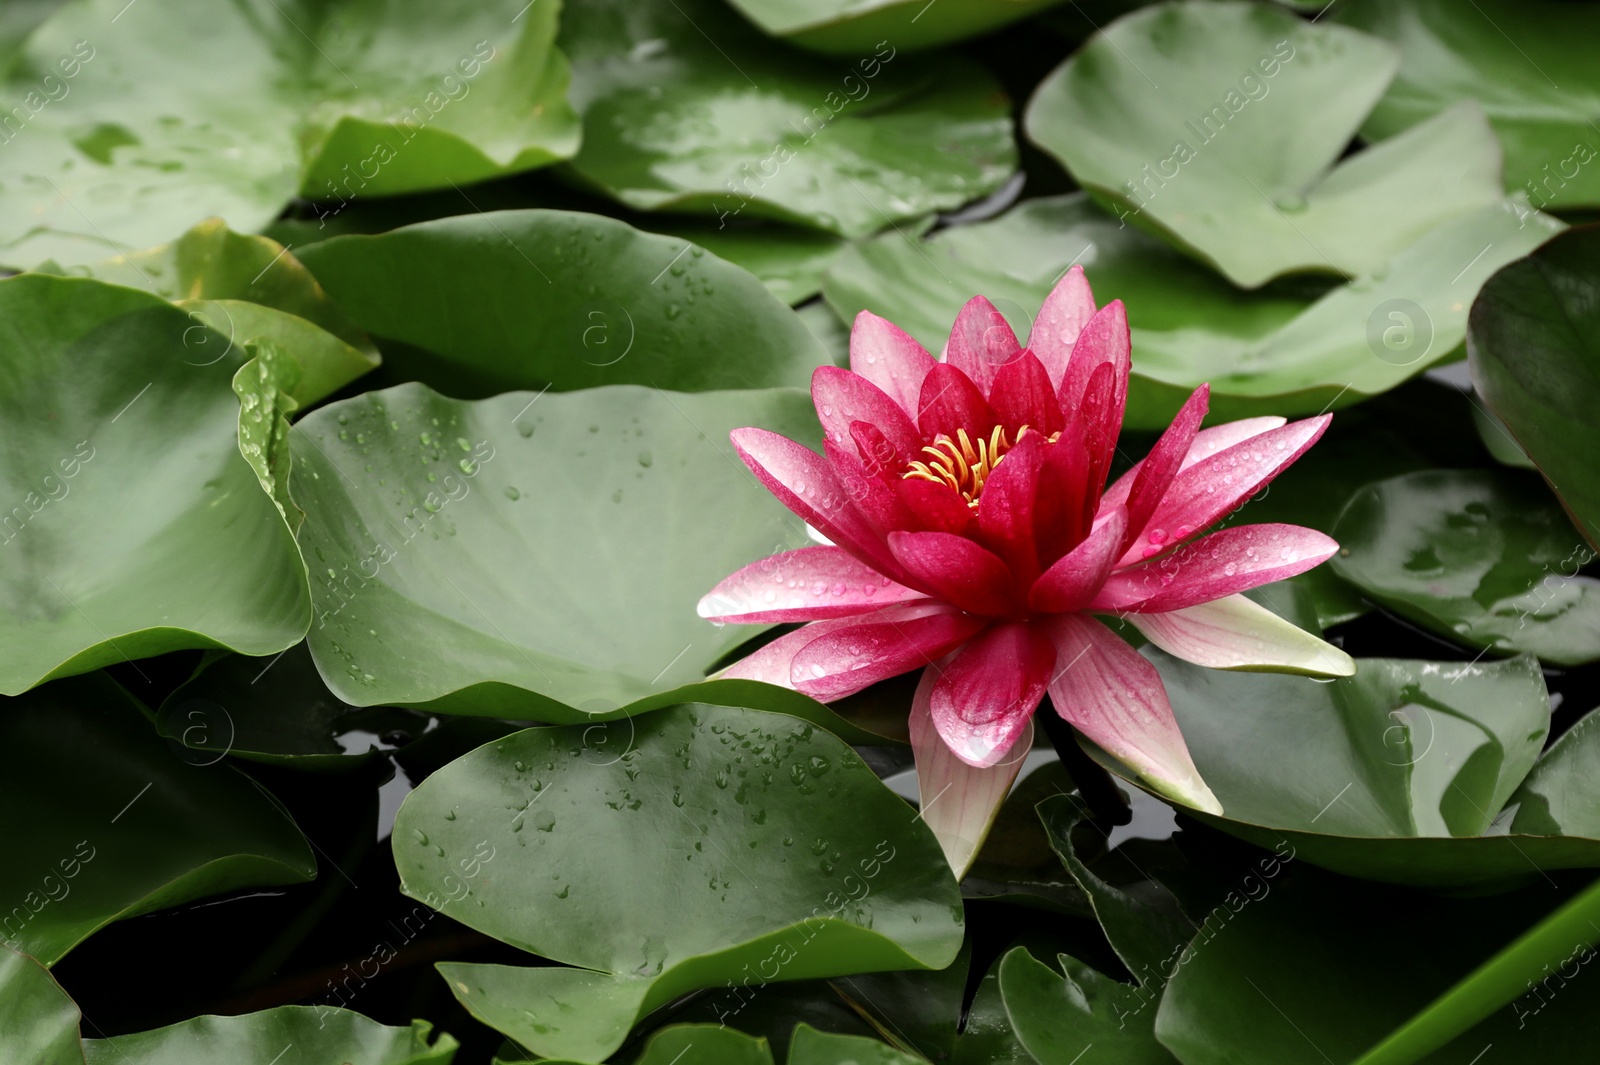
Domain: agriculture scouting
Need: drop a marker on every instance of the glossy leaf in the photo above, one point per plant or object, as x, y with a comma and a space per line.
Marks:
688, 110
1522, 60
140, 131
132, 524
616, 859
1266, 352
811, 1047
141, 829
481, 304
1219, 125
848, 27
1483, 557
38, 1022
1560, 794
299, 1035
1535, 356
530, 556
1061, 1017
1398, 773
275, 710
1323, 969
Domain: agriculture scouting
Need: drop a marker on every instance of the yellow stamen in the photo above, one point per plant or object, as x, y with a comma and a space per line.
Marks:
962, 465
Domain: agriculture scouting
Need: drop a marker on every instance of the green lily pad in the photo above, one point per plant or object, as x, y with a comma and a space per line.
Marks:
688, 110
1401, 773
301, 1034
482, 304
1483, 557
132, 522
851, 27
138, 132
1524, 61
1534, 344
531, 556
1165, 115
1333, 970
1267, 352
1559, 795
811, 1047
38, 1022
141, 829
656, 880
275, 710
1059, 1016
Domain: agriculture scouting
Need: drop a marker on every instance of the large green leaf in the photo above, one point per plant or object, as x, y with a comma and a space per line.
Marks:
481, 304
38, 1022
1534, 343
1266, 352
132, 523
1322, 969
811, 1047
686, 109
1399, 773
1484, 557
707, 851
1527, 62
183, 109
854, 27
1560, 794
1060, 1018
1220, 125
532, 556
299, 1035
140, 828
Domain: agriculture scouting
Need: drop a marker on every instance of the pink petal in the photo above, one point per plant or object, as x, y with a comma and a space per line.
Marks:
981, 341
1220, 564
1075, 578
803, 481
937, 507
1064, 508
1158, 469
956, 570
1104, 341
1215, 485
1234, 633
959, 801
1023, 395
951, 402
1101, 422
773, 663
842, 397
844, 661
879, 456
1111, 694
881, 352
1065, 312
986, 695
875, 498
1206, 443
808, 584
1005, 509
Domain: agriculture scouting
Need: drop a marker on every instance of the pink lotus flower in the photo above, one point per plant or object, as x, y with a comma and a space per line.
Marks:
973, 536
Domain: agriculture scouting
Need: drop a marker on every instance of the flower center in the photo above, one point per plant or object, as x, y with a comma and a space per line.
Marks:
963, 465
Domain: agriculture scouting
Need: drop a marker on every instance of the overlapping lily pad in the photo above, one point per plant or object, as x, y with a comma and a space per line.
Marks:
139, 121
1534, 345
535, 556
1525, 61
38, 1022
656, 878
481, 304
313, 1033
686, 109
1266, 352
848, 27
1403, 773
1059, 1015
1327, 969
1484, 557
1222, 126
130, 520
140, 829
